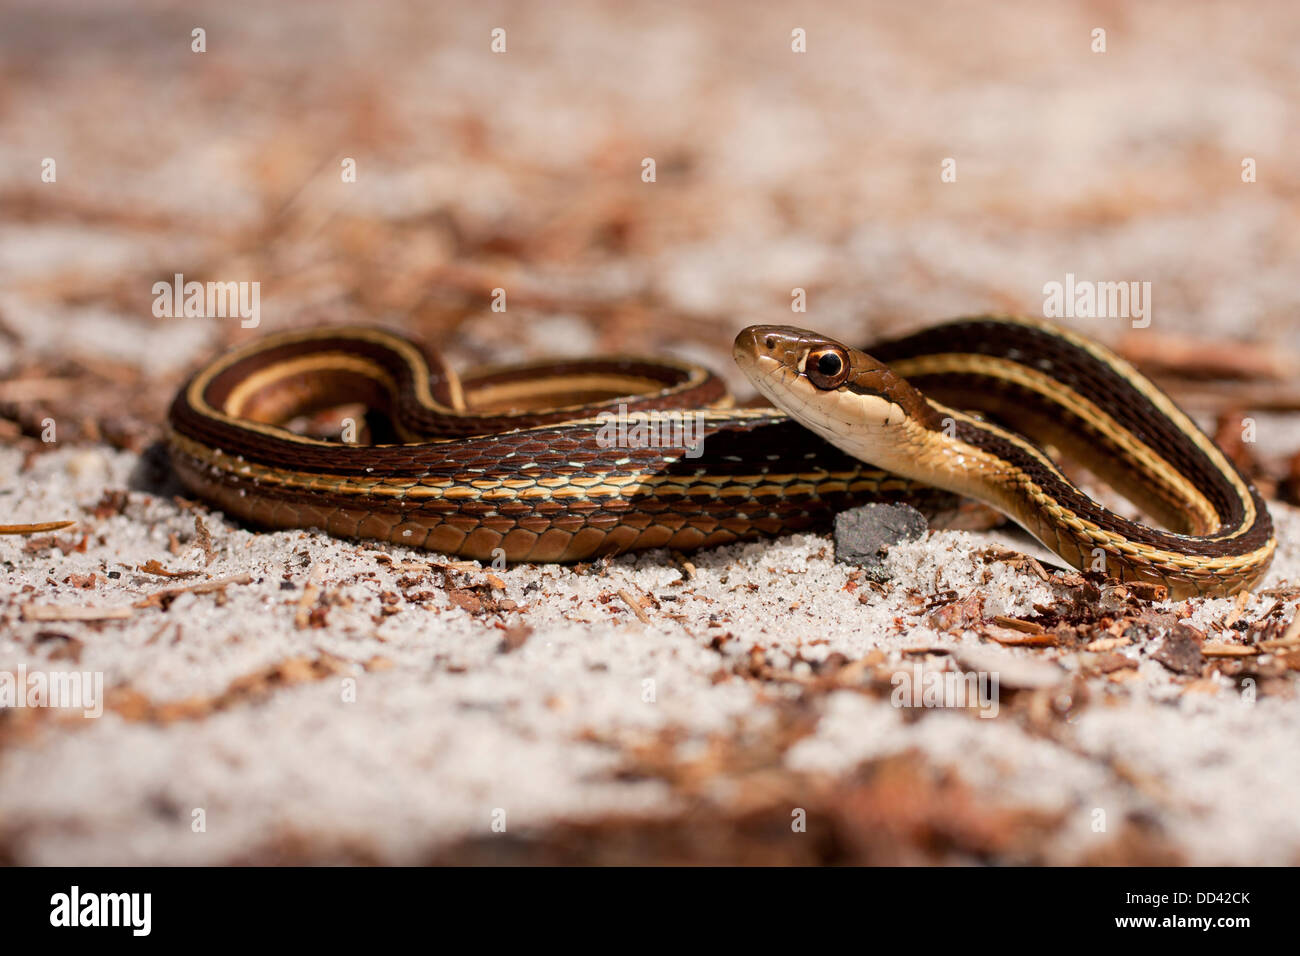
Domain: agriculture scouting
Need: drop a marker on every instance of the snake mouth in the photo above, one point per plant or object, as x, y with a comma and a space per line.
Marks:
770, 358
751, 354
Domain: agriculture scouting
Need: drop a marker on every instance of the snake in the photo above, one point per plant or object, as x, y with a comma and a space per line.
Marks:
570, 460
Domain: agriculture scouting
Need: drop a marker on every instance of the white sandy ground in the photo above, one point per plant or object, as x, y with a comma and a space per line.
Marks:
455, 730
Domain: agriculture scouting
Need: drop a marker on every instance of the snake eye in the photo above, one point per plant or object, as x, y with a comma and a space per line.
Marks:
827, 368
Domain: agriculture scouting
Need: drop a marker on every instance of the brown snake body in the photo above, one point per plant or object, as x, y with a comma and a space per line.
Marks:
532, 463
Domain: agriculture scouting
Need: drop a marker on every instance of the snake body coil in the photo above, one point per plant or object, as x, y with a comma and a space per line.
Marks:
526, 463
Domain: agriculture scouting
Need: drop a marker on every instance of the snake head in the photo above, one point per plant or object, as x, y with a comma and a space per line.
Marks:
826, 385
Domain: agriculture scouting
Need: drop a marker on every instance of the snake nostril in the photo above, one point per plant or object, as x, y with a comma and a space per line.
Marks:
770, 341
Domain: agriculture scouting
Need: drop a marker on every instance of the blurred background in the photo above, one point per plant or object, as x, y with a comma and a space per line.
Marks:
522, 170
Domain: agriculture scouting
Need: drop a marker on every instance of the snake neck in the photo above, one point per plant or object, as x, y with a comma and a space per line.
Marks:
934, 445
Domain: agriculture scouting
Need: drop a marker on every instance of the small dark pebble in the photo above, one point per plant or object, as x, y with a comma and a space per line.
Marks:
286, 585
113, 574
863, 535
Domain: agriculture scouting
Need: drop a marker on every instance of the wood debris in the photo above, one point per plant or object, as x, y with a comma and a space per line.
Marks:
1107, 643
1215, 649
154, 566
1014, 637
55, 612
308, 612
39, 528
514, 638
135, 706
1192, 358
164, 598
1017, 560
958, 615
1182, 650
1016, 624
638, 608
203, 538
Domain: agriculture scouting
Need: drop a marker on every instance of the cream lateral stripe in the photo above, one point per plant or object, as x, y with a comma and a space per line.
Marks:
197, 397
614, 486
959, 362
694, 378
1104, 538
1157, 398
412, 356
613, 385
239, 397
